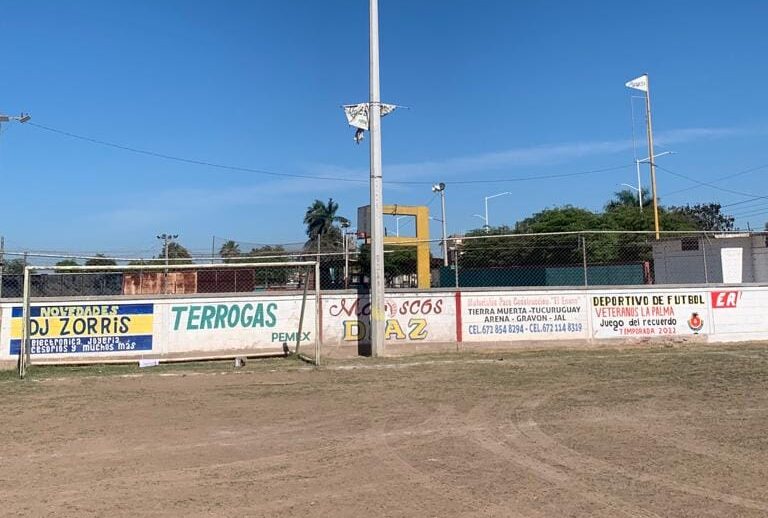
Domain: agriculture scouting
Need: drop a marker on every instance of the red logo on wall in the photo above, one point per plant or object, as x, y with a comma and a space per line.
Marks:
725, 299
695, 322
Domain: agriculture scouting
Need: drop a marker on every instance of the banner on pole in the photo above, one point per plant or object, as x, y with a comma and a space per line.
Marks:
638, 83
357, 114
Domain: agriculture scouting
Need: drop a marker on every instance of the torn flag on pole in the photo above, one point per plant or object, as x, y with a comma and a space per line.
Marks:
357, 116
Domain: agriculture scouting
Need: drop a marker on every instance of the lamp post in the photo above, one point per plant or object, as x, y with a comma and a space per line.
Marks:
397, 224
487, 224
440, 187
166, 239
345, 235
485, 221
24, 117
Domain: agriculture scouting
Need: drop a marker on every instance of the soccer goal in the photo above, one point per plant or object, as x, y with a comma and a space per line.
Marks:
164, 312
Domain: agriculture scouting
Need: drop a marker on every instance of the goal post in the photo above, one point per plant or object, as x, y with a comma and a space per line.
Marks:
170, 312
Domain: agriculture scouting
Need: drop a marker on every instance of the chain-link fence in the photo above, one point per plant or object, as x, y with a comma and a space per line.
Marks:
145, 278
604, 258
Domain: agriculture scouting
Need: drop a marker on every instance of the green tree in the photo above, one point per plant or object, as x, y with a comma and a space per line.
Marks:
269, 254
628, 198
706, 216
14, 267
398, 260
229, 250
100, 260
67, 262
177, 254
320, 219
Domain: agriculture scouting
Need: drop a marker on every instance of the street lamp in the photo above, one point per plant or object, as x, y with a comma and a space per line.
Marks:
440, 187
485, 222
345, 235
166, 239
487, 225
639, 188
397, 224
24, 117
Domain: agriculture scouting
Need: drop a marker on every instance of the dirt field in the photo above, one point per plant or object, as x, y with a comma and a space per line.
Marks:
663, 432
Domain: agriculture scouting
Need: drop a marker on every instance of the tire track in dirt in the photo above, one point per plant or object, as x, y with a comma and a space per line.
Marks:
527, 428
441, 424
515, 448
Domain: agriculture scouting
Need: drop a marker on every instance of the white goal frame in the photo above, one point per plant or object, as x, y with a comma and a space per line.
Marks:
25, 357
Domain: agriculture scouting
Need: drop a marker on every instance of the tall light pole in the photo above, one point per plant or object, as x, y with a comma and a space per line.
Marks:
643, 84
166, 239
440, 187
487, 224
345, 234
377, 202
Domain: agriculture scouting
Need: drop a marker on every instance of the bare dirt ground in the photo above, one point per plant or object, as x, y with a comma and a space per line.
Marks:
662, 432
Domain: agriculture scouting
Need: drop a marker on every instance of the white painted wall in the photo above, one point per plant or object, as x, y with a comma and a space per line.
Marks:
261, 323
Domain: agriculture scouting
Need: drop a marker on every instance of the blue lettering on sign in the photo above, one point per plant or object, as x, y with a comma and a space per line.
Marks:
94, 344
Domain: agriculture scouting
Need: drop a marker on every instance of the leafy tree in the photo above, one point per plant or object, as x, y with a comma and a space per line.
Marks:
14, 267
100, 260
66, 262
177, 252
229, 250
706, 216
398, 260
628, 198
268, 253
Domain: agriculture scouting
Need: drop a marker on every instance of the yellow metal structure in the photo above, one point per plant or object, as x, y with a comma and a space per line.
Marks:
421, 241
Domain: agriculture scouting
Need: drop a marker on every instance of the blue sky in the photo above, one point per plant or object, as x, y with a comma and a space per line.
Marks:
496, 90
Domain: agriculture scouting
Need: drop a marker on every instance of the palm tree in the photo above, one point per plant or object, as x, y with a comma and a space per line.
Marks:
229, 250
320, 219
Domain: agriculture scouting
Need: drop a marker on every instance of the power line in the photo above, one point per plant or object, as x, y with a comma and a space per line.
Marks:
709, 184
727, 177
228, 167
192, 161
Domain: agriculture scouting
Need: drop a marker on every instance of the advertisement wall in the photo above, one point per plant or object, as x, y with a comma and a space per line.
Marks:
71, 331
649, 313
409, 318
498, 316
154, 328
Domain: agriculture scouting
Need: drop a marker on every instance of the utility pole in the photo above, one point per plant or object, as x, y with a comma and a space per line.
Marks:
377, 202
643, 84
166, 238
440, 187
650, 155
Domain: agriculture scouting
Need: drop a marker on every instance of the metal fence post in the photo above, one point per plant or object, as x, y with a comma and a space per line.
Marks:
584, 258
456, 265
2, 258
24, 346
704, 255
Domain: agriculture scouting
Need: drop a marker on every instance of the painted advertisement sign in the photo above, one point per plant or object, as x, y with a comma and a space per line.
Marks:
498, 316
235, 324
642, 314
84, 328
739, 314
408, 318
